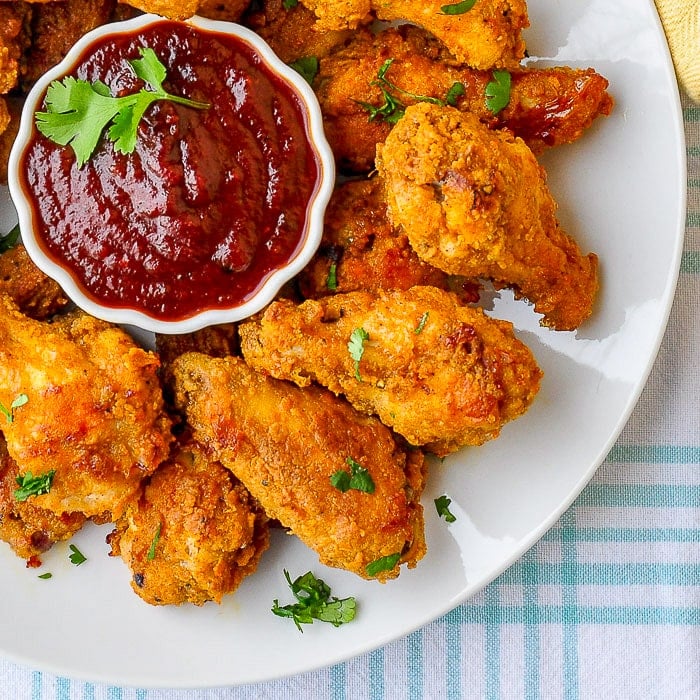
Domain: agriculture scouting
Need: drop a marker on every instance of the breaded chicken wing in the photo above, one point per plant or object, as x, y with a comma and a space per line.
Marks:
361, 250
36, 295
286, 444
547, 107
292, 33
28, 528
475, 202
192, 535
14, 39
441, 374
93, 412
488, 35
340, 14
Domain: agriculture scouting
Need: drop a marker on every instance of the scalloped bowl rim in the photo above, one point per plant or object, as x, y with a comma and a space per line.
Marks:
275, 280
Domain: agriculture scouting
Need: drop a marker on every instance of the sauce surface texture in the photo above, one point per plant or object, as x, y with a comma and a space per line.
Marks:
210, 202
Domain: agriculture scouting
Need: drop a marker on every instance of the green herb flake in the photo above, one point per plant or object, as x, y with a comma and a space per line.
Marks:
332, 279
314, 602
442, 505
9, 413
307, 67
289, 4
457, 90
76, 557
356, 348
458, 8
386, 563
77, 112
421, 324
9, 240
45, 576
498, 91
154, 543
33, 485
359, 479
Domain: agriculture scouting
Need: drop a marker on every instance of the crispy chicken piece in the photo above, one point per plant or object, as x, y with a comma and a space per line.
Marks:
192, 535
226, 10
223, 10
547, 107
489, 35
340, 14
475, 202
10, 111
293, 33
36, 295
56, 26
441, 374
29, 529
94, 411
285, 443
361, 250
14, 39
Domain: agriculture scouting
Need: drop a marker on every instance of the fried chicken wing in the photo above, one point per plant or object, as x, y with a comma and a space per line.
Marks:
340, 14
547, 107
475, 202
93, 413
14, 39
193, 534
361, 250
488, 35
285, 444
36, 295
293, 33
29, 529
441, 374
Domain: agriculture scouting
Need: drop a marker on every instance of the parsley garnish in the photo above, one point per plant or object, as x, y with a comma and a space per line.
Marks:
33, 485
356, 348
386, 563
442, 505
458, 8
392, 109
9, 240
154, 543
421, 324
307, 67
76, 557
498, 91
314, 602
9, 413
359, 478
332, 279
77, 112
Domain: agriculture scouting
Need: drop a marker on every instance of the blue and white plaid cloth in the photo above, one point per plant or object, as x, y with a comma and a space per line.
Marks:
607, 605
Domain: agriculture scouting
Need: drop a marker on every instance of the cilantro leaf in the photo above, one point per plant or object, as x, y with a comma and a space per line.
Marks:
9, 413
359, 478
289, 4
458, 8
356, 348
332, 279
314, 602
307, 67
33, 485
498, 91
442, 505
76, 557
457, 90
154, 543
9, 240
386, 563
78, 112
45, 576
421, 324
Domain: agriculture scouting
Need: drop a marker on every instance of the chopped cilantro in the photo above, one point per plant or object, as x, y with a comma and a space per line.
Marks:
442, 505
386, 563
457, 90
33, 485
314, 602
332, 279
45, 576
307, 67
76, 557
9, 240
421, 324
356, 348
498, 91
9, 413
154, 543
289, 4
358, 479
458, 8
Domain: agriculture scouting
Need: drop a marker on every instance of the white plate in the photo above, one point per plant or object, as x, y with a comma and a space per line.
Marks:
621, 191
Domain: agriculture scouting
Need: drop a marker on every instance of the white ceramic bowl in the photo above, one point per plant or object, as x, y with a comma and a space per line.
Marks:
134, 316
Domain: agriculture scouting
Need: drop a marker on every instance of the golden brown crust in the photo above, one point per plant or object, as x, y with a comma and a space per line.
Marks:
475, 202
284, 443
193, 534
441, 374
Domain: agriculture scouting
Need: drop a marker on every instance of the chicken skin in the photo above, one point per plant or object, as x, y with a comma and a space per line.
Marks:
547, 107
192, 535
441, 374
286, 445
361, 250
29, 529
475, 202
93, 410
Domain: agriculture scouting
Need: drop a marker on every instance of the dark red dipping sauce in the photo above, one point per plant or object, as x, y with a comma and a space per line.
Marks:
210, 202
